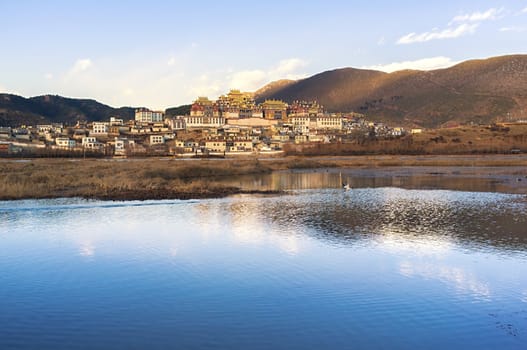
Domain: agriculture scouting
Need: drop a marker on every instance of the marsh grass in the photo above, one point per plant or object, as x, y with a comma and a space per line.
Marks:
161, 178
103, 179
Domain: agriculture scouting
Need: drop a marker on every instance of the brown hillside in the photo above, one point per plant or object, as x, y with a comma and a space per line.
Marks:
472, 91
273, 87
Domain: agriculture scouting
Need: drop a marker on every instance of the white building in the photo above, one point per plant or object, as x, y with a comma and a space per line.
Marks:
122, 145
64, 142
216, 145
100, 128
204, 122
144, 115
328, 123
304, 124
91, 143
177, 123
301, 124
116, 122
157, 139
88, 140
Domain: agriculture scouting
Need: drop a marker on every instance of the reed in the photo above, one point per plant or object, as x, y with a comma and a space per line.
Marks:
167, 178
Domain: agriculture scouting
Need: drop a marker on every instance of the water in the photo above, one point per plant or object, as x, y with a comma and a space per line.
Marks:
374, 267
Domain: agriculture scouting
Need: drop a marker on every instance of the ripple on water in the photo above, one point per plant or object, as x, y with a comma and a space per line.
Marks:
313, 269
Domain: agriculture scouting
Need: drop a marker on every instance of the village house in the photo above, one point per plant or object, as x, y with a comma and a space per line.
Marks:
116, 121
6, 133
328, 123
65, 142
301, 138
123, 146
216, 146
177, 123
305, 124
398, 131
281, 137
79, 134
185, 146
156, 140
22, 134
239, 146
319, 138
145, 115
200, 122
99, 128
91, 142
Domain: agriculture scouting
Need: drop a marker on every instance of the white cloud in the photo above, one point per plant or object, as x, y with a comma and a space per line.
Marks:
490, 14
466, 24
288, 69
513, 29
421, 64
48, 76
248, 80
167, 81
251, 80
81, 65
220, 82
448, 33
524, 10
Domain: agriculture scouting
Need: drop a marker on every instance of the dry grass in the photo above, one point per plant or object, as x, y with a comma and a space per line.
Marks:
452, 141
152, 178
166, 178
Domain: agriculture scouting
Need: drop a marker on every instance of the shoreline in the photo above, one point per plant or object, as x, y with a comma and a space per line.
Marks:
167, 178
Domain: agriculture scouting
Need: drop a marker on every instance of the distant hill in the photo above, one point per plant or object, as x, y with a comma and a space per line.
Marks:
16, 110
472, 91
175, 111
274, 87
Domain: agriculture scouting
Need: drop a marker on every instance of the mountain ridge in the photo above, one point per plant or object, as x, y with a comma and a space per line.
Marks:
17, 110
479, 90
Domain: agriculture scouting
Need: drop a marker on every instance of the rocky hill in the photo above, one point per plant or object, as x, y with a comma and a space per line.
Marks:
472, 91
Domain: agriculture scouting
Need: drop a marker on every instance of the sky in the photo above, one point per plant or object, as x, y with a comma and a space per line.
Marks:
162, 54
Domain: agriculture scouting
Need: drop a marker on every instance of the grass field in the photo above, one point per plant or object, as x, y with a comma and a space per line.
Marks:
155, 178
496, 139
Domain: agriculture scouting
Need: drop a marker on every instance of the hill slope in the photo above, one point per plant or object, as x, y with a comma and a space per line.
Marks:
476, 90
16, 110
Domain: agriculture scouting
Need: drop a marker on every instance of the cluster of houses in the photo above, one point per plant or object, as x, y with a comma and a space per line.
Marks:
233, 124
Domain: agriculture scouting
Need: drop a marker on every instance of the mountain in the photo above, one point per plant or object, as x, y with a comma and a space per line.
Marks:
274, 87
175, 111
16, 110
478, 91
472, 91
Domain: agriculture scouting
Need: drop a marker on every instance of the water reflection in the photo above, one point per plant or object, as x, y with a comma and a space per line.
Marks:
465, 282
314, 268
476, 219
482, 179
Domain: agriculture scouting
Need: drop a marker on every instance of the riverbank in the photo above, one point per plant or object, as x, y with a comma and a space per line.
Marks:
112, 179
167, 178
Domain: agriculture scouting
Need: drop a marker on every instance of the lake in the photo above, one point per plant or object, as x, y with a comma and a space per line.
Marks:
400, 261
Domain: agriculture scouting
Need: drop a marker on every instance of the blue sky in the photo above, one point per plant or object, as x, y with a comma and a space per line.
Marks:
164, 53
